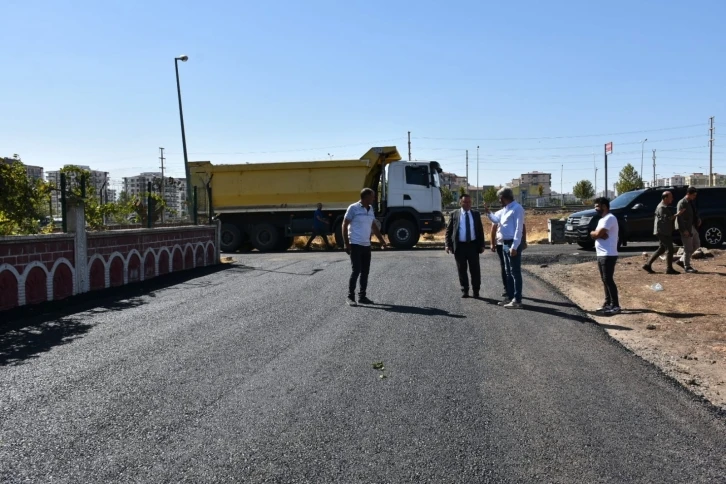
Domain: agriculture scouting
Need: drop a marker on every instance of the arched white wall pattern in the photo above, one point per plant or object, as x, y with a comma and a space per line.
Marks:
126, 266
206, 248
158, 256
184, 253
90, 266
143, 263
171, 257
58, 262
204, 253
48, 281
108, 267
14, 271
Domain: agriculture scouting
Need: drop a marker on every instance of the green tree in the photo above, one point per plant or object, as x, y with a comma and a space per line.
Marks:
447, 197
23, 200
629, 180
583, 190
462, 191
540, 190
490, 195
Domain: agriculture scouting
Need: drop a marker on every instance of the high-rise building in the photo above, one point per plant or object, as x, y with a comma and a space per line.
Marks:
34, 172
98, 181
697, 180
174, 193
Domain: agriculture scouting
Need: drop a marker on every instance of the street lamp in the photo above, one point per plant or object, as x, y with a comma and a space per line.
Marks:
642, 147
183, 58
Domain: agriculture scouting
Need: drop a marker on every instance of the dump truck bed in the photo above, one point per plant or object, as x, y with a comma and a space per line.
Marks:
291, 185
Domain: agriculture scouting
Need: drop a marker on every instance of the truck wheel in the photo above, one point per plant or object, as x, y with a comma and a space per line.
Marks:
265, 237
403, 234
231, 238
712, 235
586, 244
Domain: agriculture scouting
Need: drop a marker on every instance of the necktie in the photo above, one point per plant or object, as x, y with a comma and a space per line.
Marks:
468, 226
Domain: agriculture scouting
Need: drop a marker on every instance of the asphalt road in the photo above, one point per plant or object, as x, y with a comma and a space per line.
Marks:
260, 373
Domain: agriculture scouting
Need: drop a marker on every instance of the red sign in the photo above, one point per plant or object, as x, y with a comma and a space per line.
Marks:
609, 148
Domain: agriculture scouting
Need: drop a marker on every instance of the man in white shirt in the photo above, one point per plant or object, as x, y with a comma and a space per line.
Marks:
496, 235
606, 246
510, 222
359, 222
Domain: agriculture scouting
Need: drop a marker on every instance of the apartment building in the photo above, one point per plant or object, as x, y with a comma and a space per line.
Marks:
34, 172
174, 194
98, 181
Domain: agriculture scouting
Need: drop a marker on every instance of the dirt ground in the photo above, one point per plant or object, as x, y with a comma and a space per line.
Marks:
681, 329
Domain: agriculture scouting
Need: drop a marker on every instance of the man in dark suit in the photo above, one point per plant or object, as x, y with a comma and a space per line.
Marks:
465, 238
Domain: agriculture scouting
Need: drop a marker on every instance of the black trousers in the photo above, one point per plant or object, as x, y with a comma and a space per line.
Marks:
360, 261
467, 255
606, 265
502, 264
665, 247
319, 232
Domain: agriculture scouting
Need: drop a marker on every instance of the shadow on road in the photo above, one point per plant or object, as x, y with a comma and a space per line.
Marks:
28, 331
667, 315
246, 268
421, 311
545, 310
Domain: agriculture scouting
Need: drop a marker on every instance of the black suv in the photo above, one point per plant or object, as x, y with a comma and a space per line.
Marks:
635, 212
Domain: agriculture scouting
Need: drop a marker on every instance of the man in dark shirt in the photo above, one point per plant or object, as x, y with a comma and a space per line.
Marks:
663, 228
320, 228
687, 223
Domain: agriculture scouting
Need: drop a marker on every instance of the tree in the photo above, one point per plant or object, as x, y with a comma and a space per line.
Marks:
583, 190
490, 195
540, 190
629, 180
447, 197
23, 200
462, 191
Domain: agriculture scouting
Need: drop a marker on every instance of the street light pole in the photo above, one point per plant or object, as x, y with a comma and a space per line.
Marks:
642, 147
183, 58
478, 190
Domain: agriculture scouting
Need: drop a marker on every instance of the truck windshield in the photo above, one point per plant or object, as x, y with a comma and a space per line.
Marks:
624, 200
437, 181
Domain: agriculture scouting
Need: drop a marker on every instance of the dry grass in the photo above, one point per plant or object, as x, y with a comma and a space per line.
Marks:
681, 329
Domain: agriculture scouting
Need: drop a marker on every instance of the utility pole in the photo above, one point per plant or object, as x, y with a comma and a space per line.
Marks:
562, 191
654, 184
477, 178
467, 171
594, 163
606, 171
163, 193
409, 146
710, 155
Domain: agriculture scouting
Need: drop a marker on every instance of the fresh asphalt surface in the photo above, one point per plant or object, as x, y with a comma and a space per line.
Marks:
260, 373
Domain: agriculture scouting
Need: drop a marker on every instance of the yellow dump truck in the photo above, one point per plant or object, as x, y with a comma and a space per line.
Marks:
264, 206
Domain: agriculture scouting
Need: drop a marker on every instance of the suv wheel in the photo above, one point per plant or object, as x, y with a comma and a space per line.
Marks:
712, 234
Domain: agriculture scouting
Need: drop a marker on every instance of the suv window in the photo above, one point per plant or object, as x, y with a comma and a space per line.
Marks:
650, 199
711, 198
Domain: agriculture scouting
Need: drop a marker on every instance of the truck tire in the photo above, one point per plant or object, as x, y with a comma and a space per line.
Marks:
712, 234
231, 238
586, 244
265, 237
403, 234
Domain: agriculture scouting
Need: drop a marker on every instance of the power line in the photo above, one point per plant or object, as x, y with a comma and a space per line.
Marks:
566, 137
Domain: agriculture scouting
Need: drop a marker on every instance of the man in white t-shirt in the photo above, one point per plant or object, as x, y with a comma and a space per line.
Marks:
606, 246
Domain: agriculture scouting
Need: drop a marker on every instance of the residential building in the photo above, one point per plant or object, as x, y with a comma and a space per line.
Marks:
174, 194
98, 181
697, 180
453, 181
529, 184
34, 172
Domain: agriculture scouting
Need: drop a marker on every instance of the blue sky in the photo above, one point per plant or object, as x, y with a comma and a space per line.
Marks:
93, 83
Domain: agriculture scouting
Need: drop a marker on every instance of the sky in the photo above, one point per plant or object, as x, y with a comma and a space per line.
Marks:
535, 85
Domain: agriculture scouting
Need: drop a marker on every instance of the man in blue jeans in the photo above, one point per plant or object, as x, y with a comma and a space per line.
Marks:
320, 228
510, 222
